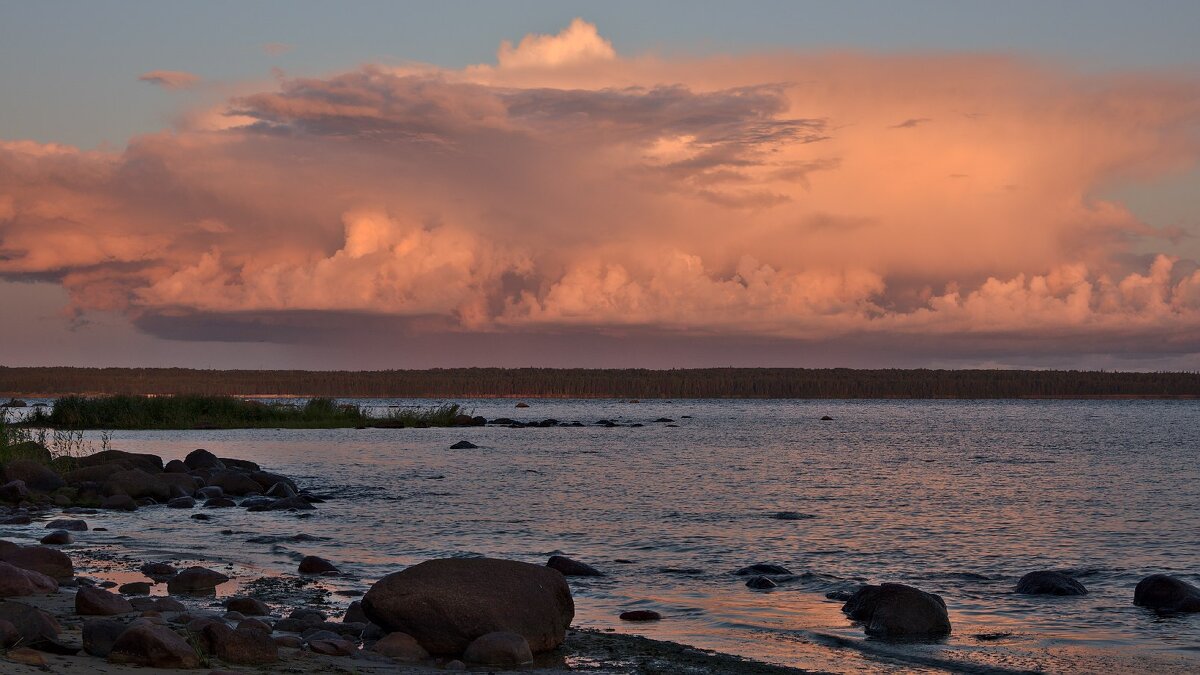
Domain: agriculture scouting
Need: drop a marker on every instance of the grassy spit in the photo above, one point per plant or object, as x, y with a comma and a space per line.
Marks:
220, 412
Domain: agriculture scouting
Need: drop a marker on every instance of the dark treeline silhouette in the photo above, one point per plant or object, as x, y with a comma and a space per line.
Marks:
588, 383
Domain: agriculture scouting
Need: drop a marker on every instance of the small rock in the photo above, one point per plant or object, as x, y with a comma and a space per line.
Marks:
135, 588
219, 503
498, 649
760, 583
97, 602
762, 568
248, 606
403, 647
158, 571
311, 564
181, 503
572, 568
195, 580
57, 538
464, 445
68, 524
826, 418
792, 515
336, 647
640, 615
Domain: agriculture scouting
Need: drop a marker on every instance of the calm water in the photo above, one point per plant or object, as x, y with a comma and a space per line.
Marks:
959, 498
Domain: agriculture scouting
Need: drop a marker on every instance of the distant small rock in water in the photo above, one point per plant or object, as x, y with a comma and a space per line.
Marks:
792, 515
464, 445
521, 405
665, 420
992, 637
1166, 593
762, 568
760, 583
572, 568
641, 615
1048, 582
826, 418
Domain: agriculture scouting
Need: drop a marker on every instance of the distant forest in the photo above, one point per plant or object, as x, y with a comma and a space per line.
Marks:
587, 383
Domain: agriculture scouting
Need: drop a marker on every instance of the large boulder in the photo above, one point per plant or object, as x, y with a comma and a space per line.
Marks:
94, 473
133, 460
38, 628
446, 604
14, 492
266, 479
897, 611
137, 484
248, 606
202, 459
98, 602
51, 562
154, 646
244, 465
1166, 593
119, 503
16, 582
180, 484
1048, 582
197, 580
233, 482
35, 475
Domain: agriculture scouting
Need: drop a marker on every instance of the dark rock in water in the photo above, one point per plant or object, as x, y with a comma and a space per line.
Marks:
210, 492
521, 405
402, 647
762, 568
1166, 593
826, 418
57, 538
36, 476
202, 459
100, 634
665, 420
119, 503
153, 646
504, 420
234, 482
51, 562
899, 612
464, 445
760, 583
335, 647
176, 466
68, 524
281, 490
137, 484
257, 502
240, 464
572, 568
196, 580
201, 516
14, 492
135, 588
841, 594
158, 570
792, 515
97, 602
311, 564
297, 502
219, 503
266, 479
1046, 582
445, 604
181, 503
501, 649
640, 615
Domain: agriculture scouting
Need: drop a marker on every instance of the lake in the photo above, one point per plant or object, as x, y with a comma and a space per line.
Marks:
959, 498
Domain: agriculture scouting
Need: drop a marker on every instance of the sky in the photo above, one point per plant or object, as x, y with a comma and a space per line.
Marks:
395, 185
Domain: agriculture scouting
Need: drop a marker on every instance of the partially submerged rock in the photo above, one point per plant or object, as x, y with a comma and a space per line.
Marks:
311, 564
1048, 582
1166, 593
445, 604
572, 568
899, 612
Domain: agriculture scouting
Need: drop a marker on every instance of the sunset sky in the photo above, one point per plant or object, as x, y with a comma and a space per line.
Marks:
377, 184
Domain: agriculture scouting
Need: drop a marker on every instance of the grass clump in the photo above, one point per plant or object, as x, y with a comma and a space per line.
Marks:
438, 416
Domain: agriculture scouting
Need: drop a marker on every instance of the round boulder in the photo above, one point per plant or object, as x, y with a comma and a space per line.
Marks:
1165, 593
1048, 582
96, 602
196, 580
51, 562
154, 646
897, 611
446, 604
403, 647
311, 564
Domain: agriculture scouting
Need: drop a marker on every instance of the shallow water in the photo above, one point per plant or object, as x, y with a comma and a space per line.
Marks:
956, 497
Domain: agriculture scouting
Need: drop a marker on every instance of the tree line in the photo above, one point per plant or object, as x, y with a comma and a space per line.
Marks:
835, 383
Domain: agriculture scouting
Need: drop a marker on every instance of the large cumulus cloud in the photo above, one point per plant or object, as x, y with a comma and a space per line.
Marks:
815, 197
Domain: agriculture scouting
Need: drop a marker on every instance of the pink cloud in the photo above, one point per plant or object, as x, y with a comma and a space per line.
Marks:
170, 79
569, 188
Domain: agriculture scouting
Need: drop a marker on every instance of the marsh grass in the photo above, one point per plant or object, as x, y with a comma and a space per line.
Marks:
71, 414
